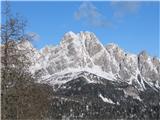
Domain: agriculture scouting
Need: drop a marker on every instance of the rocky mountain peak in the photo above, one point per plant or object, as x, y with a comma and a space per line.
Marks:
143, 55
86, 35
81, 36
69, 35
25, 44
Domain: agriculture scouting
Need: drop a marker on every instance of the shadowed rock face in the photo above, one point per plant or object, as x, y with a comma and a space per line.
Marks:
149, 67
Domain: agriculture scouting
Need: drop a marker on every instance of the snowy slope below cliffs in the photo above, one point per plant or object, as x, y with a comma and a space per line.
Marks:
91, 75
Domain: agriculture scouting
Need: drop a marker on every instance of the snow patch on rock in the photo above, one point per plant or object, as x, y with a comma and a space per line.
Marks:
106, 99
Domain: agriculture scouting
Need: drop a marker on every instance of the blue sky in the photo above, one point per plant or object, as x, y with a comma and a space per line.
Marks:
134, 26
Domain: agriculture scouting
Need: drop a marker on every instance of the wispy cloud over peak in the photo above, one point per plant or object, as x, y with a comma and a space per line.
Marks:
89, 13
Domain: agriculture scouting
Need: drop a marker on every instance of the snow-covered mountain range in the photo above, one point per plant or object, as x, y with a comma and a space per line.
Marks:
93, 81
84, 52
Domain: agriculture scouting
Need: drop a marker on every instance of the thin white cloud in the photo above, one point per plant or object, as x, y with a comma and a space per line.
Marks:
87, 12
123, 8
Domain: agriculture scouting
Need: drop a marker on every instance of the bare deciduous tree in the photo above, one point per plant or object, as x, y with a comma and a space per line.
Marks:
21, 97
